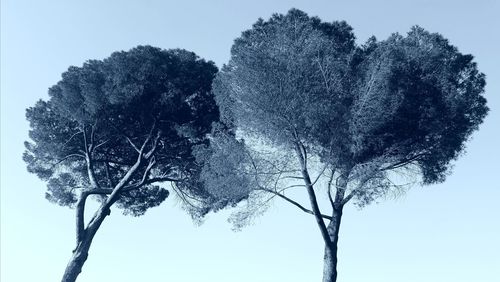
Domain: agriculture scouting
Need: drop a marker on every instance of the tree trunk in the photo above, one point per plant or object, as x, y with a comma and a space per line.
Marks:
330, 258
84, 236
76, 262
330, 265
81, 252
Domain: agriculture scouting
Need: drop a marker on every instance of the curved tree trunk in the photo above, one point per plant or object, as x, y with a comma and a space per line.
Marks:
84, 240
330, 258
77, 260
84, 236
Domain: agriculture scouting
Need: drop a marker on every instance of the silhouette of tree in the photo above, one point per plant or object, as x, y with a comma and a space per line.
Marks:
116, 130
303, 97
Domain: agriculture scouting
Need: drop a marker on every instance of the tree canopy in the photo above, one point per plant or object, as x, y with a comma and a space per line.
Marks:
407, 100
98, 117
302, 97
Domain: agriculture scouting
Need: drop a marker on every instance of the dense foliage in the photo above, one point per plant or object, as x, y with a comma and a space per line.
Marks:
405, 101
302, 98
87, 135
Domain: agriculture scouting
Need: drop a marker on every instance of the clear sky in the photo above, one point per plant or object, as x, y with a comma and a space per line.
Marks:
446, 232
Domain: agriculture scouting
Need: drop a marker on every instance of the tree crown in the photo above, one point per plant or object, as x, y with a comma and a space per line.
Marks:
98, 117
407, 101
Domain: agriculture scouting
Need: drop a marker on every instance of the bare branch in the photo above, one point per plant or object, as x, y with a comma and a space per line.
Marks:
132, 144
330, 180
151, 163
85, 139
80, 212
70, 138
293, 202
67, 157
323, 73
102, 143
144, 177
153, 146
99, 191
403, 162
304, 152
92, 137
293, 177
349, 197
341, 185
90, 171
148, 138
319, 175
108, 174
355, 190
312, 195
184, 196
107, 191
291, 186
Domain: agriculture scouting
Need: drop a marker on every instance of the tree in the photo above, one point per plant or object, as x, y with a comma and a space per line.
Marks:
303, 97
117, 130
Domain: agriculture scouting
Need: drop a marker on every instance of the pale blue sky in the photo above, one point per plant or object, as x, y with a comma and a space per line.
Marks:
446, 232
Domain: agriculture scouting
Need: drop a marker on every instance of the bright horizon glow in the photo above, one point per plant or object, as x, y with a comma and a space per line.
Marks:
445, 232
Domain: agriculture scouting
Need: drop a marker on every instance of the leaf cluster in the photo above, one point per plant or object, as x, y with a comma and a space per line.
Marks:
89, 132
407, 102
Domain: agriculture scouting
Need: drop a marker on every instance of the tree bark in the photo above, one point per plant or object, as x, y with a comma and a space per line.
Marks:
81, 252
330, 258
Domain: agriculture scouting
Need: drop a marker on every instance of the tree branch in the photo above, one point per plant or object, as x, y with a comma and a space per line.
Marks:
141, 150
403, 162
108, 174
341, 186
355, 190
88, 159
183, 196
92, 137
144, 177
99, 191
302, 208
85, 140
70, 138
349, 197
69, 156
304, 152
330, 180
293, 177
113, 162
320, 174
107, 191
80, 212
90, 172
132, 144
102, 143
150, 181
104, 209
153, 146
323, 73
312, 195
